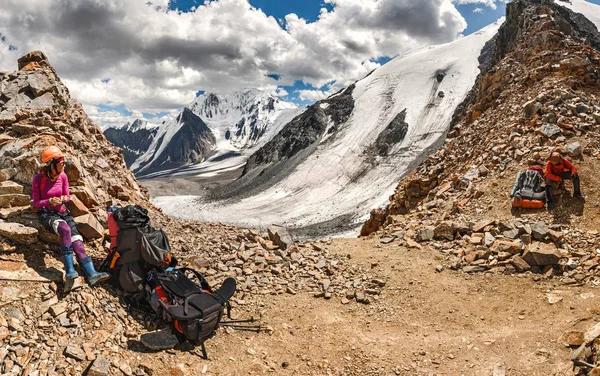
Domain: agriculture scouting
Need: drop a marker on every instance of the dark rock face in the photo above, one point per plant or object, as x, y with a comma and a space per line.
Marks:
305, 130
392, 135
132, 140
191, 144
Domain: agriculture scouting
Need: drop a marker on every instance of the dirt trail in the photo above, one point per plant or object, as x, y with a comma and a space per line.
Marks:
423, 323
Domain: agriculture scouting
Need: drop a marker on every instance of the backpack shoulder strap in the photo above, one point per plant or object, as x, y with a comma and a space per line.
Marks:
203, 282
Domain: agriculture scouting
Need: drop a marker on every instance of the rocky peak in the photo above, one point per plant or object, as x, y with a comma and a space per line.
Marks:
37, 111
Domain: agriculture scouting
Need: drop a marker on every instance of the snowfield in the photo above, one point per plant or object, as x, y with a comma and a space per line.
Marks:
341, 178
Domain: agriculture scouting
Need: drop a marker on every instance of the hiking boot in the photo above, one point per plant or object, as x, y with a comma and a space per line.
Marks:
579, 195
92, 276
67, 259
550, 206
160, 340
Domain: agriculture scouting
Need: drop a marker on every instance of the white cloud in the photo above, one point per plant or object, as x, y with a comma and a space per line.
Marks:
157, 59
280, 92
487, 3
478, 10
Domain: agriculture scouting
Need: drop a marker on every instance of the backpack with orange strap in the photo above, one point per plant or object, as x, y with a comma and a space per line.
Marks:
194, 310
136, 247
527, 191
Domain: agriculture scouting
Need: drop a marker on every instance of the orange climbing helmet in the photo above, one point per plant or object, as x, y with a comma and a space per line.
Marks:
50, 153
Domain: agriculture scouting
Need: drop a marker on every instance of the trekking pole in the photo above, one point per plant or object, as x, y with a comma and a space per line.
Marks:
252, 328
251, 319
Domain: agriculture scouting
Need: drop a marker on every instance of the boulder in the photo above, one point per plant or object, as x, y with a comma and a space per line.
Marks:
86, 195
542, 254
33, 57
14, 199
280, 236
18, 232
376, 220
540, 231
76, 207
73, 170
9, 187
520, 264
89, 226
574, 149
444, 230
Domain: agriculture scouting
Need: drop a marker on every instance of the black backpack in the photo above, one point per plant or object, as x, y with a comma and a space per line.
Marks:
139, 248
194, 310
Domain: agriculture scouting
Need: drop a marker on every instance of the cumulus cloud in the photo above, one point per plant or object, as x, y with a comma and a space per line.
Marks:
488, 3
478, 10
156, 59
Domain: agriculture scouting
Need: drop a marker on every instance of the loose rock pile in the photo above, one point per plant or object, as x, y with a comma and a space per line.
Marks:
506, 246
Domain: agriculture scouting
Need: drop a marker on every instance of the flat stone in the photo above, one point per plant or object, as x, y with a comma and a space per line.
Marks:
76, 207
58, 309
506, 246
572, 338
10, 187
18, 232
75, 352
386, 240
100, 367
424, 235
488, 239
14, 199
549, 130
13, 212
479, 226
511, 234
592, 333
473, 269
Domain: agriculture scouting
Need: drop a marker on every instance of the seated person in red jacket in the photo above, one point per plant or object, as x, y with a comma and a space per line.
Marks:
557, 170
50, 193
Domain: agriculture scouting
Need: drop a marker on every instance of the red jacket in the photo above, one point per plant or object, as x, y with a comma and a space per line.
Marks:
553, 170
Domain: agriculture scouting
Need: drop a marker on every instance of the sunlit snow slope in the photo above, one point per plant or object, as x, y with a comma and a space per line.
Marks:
343, 177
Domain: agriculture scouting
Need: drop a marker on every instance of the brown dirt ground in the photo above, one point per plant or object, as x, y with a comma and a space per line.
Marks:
423, 323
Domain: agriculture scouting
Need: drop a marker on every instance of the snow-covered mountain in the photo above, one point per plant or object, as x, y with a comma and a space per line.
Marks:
134, 138
182, 141
240, 123
241, 119
344, 155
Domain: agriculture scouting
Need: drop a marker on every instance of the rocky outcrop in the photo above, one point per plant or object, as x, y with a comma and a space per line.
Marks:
36, 112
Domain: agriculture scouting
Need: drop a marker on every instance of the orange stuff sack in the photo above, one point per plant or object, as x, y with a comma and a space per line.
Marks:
525, 203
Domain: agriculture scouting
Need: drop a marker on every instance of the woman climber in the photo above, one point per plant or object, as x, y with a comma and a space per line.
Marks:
50, 193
